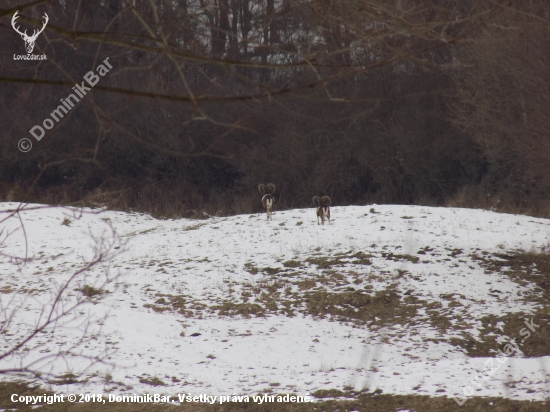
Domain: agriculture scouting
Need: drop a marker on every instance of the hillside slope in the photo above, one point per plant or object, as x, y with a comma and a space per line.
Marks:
402, 299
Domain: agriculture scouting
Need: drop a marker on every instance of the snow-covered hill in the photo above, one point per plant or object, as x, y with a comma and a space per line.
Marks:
386, 297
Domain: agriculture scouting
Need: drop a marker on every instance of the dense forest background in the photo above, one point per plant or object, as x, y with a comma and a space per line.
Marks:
437, 102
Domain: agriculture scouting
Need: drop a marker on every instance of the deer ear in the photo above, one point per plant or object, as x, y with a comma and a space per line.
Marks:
23, 36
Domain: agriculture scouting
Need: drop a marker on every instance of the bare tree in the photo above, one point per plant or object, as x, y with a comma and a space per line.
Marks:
503, 110
197, 86
31, 316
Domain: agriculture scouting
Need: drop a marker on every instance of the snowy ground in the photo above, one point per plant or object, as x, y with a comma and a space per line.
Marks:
238, 305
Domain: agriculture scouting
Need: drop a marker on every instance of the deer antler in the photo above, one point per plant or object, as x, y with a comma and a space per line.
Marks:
13, 19
37, 32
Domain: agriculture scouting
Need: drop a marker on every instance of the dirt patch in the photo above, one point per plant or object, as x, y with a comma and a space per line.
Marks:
173, 303
341, 259
244, 309
380, 308
399, 258
527, 335
152, 381
529, 331
523, 268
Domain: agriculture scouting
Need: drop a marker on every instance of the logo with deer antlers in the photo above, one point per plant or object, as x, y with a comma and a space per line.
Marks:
29, 40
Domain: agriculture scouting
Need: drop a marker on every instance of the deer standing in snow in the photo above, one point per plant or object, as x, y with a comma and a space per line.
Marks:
267, 198
323, 208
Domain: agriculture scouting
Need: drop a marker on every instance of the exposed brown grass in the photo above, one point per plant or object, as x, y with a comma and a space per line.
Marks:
523, 268
244, 309
380, 308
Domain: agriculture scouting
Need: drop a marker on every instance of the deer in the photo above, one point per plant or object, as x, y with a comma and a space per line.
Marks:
267, 198
29, 40
323, 208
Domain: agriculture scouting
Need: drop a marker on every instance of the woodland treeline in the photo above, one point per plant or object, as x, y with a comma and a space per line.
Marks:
433, 102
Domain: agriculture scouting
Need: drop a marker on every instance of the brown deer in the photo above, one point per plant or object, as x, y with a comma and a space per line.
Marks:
29, 40
267, 198
323, 208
